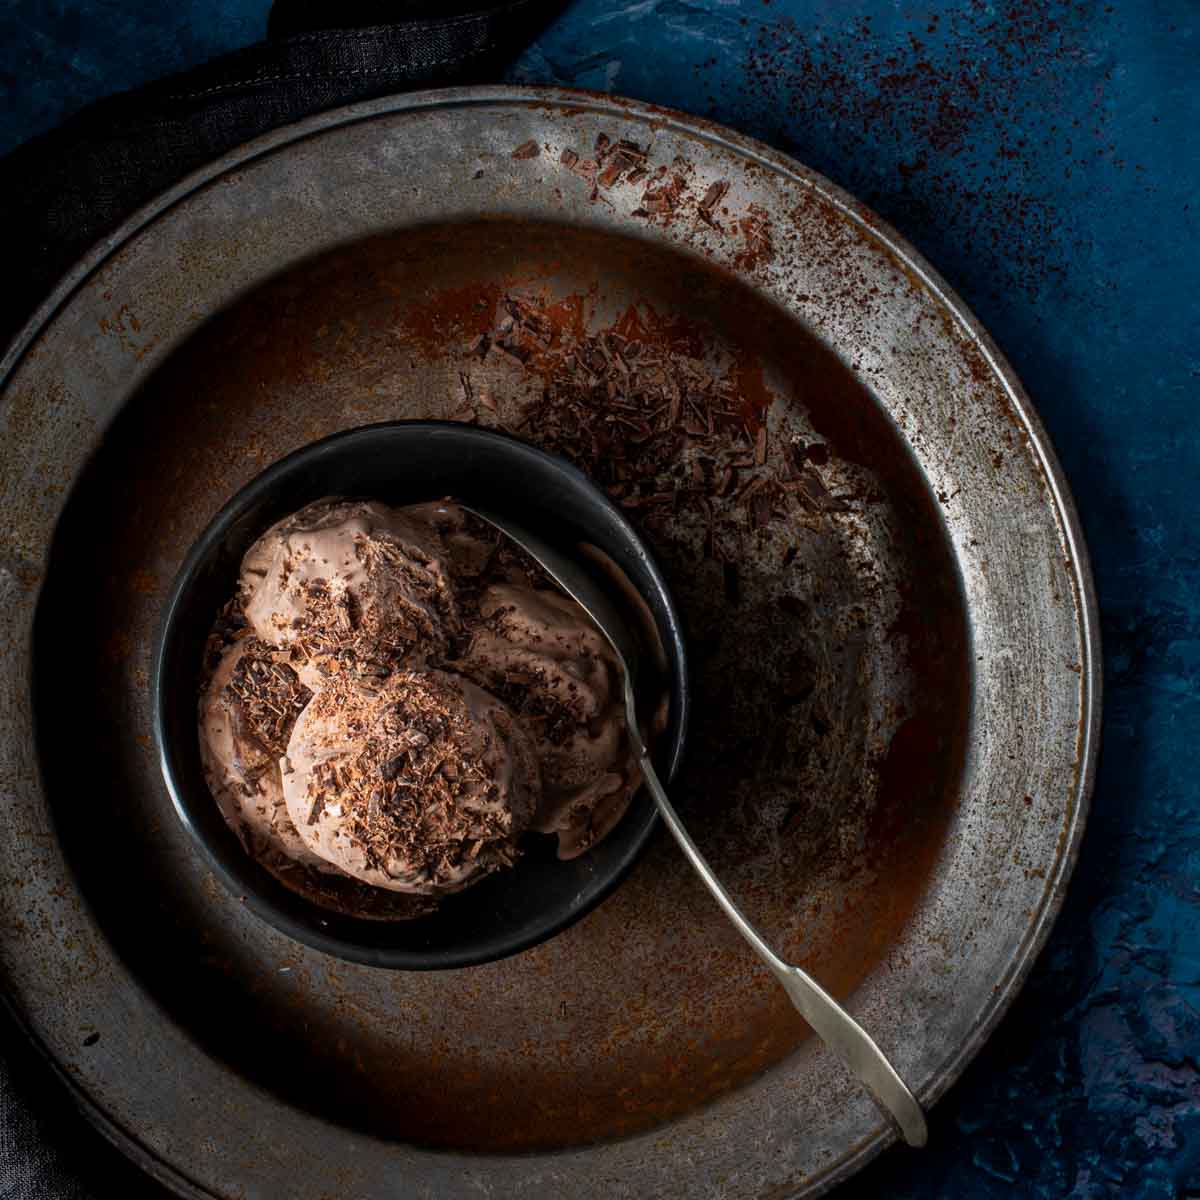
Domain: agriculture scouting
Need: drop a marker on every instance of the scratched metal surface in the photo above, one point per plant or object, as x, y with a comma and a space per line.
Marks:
945, 618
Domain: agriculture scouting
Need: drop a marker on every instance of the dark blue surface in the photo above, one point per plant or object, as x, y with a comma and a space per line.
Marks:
1048, 164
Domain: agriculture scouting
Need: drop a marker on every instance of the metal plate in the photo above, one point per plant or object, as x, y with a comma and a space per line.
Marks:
897, 697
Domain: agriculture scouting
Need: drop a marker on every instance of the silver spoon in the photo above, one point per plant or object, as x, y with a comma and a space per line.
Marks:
832, 1023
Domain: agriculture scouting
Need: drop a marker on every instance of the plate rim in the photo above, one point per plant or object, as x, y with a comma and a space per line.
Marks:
1065, 511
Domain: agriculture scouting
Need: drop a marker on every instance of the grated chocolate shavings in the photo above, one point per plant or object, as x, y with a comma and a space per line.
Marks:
655, 425
714, 195
760, 446
269, 697
418, 791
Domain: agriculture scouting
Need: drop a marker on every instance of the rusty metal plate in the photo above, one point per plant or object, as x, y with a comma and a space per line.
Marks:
892, 623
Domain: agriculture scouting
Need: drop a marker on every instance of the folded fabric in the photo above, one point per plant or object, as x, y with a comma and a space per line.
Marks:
61, 192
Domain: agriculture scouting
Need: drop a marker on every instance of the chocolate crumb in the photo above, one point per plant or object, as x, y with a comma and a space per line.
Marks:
391, 769
714, 195
611, 173
529, 149
318, 806
813, 488
793, 457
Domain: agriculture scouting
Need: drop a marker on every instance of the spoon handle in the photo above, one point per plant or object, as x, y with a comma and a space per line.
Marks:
829, 1020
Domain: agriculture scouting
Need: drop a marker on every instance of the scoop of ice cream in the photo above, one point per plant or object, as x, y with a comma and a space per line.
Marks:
349, 585
418, 783
246, 717
539, 651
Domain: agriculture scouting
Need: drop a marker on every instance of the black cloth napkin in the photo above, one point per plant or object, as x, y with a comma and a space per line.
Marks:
60, 193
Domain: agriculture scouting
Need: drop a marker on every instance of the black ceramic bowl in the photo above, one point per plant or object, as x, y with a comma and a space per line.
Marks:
403, 463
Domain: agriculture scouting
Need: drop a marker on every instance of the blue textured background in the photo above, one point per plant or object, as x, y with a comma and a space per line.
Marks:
1046, 159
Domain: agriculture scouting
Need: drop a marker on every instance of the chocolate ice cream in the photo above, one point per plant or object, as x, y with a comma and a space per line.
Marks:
246, 719
422, 784
539, 650
411, 695
349, 586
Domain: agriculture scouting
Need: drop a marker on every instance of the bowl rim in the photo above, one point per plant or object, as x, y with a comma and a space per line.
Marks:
260, 487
